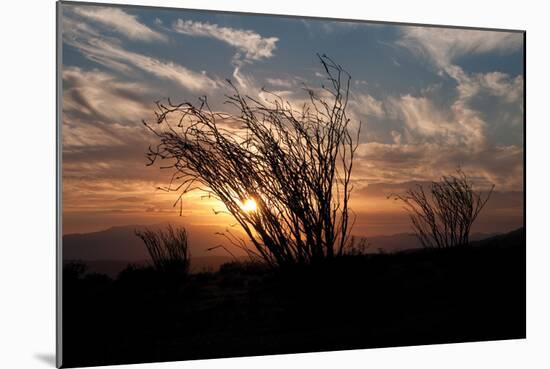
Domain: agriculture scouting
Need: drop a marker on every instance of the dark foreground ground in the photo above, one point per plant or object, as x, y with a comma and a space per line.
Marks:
410, 298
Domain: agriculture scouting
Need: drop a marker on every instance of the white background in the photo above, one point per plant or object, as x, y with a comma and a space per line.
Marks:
27, 180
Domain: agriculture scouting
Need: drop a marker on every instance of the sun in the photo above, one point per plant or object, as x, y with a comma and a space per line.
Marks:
249, 206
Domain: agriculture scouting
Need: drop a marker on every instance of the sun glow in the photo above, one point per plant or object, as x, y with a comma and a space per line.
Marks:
249, 206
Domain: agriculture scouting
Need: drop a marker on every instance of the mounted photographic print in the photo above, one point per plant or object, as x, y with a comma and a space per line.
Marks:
236, 184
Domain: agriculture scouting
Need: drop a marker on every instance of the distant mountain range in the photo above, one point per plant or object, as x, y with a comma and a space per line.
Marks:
121, 243
111, 250
406, 241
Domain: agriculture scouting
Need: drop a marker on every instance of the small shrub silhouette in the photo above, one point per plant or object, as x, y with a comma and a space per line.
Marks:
168, 249
74, 270
443, 217
357, 246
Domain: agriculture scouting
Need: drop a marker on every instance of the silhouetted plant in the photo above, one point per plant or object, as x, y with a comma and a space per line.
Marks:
168, 249
443, 217
295, 164
74, 270
357, 246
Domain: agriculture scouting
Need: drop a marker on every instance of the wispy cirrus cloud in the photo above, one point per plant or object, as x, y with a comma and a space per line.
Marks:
121, 22
250, 44
110, 53
500, 165
444, 45
99, 97
316, 27
279, 82
499, 84
449, 128
367, 105
462, 123
426, 140
102, 134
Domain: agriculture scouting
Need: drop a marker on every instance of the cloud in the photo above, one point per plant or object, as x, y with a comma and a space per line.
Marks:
493, 83
110, 53
444, 45
245, 81
278, 82
99, 96
429, 141
366, 104
315, 27
396, 136
251, 44
102, 132
467, 122
425, 141
424, 122
121, 22
395, 163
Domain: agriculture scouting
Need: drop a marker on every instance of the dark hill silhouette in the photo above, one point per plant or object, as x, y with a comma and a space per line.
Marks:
420, 296
112, 268
110, 251
115, 244
121, 244
506, 239
405, 241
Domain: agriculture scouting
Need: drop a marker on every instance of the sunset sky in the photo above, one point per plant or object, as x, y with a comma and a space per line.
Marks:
429, 99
